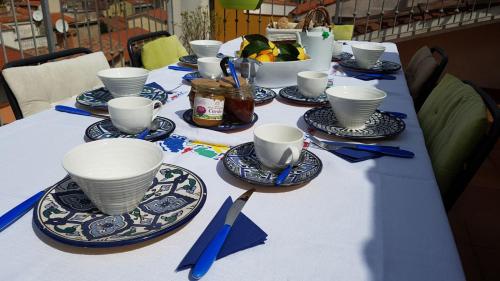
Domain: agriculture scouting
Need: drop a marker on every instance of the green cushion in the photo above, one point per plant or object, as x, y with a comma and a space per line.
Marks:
453, 119
162, 52
342, 32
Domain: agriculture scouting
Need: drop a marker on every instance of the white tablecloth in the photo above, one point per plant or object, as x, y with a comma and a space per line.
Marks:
375, 220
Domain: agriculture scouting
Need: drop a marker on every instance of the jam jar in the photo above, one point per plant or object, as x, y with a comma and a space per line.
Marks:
239, 103
208, 104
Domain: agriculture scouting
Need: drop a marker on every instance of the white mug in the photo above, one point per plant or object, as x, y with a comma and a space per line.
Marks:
312, 83
132, 115
277, 145
209, 67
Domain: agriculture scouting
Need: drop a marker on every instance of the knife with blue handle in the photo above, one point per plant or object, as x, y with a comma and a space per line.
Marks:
386, 150
17, 212
210, 253
73, 110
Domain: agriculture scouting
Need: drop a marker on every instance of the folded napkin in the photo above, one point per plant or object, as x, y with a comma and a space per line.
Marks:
244, 234
354, 155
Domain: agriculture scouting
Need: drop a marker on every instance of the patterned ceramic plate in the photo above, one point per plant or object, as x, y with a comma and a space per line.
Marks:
380, 67
193, 59
104, 129
292, 94
242, 163
65, 214
188, 117
263, 95
380, 125
191, 76
342, 56
99, 98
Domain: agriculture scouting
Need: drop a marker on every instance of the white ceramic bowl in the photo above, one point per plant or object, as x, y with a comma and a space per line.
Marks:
353, 105
205, 48
114, 173
124, 81
312, 83
367, 54
281, 73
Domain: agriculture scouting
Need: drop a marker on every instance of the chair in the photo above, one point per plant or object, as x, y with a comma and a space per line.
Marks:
423, 72
154, 50
457, 133
37, 83
342, 32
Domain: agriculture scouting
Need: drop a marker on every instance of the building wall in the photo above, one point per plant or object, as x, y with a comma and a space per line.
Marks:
472, 52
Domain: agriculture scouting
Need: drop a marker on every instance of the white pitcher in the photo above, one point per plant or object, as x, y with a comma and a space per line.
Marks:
319, 47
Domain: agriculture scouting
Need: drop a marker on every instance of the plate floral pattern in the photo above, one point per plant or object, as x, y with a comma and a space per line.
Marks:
65, 214
292, 94
99, 98
380, 125
242, 162
104, 129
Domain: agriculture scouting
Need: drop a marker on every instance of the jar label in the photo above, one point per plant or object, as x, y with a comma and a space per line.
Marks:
208, 109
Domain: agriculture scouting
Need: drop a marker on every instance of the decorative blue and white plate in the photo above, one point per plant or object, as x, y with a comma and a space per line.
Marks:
188, 117
380, 125
242, 162
292, 94
342, 56
193, 59
65, 214
263, 95
191, 76
380, 67
99, 98
104, 129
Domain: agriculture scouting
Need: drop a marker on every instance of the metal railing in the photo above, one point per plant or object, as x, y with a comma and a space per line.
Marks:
374, 20
30, 29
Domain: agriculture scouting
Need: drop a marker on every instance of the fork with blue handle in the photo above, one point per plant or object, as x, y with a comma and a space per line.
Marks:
385, 150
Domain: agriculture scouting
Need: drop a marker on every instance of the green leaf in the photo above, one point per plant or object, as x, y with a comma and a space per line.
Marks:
256, 37
286, 57
289, 50
254, 48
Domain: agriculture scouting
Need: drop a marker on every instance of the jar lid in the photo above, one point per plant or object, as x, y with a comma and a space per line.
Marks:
228, 82
205, 83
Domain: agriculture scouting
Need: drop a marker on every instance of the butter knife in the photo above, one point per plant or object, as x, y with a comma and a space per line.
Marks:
17, 212
210, 253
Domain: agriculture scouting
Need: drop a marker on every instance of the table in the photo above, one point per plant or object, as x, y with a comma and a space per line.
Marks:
375, 220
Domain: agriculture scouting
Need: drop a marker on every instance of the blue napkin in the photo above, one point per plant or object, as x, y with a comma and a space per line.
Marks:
244, 234
155, 85
369, 76
354, 155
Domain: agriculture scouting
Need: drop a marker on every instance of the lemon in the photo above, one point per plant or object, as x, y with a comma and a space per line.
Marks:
302, 53
265, 57
243, 44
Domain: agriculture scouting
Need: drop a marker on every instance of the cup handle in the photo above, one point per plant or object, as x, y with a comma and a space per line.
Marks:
223, 65
157, 105
295, 155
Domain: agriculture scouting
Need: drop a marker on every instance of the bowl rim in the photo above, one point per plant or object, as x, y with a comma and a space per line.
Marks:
104, 73
368, 46
203, 42
329, 92
105, 142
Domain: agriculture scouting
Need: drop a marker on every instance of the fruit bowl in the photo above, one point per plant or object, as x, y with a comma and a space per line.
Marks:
280, 74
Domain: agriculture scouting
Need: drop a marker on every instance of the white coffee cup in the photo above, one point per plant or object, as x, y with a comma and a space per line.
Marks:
132, 115
278, 145
312, 83
209, 67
